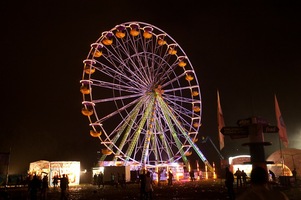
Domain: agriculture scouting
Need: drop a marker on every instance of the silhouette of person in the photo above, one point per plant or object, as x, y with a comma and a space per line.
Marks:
244, 177
149, 186
160, 171
191, 173
95, 177
260, 188
229, 180
142, 179
44, 188
123, 181
55, 180
294, 172
112, 179
99, 180
34, 187
170, 177
273, 175
238, 177
64, 186
118, 180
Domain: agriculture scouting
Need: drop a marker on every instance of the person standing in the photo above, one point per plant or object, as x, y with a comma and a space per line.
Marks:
34, 187
142, 179
64, 186
294, 172
44, 188
191, 174
55, 180
149, 186
273, 176
229, 183
160, 171
238, 178
95, 179
100, 180
112, 179
170, 177
244, 177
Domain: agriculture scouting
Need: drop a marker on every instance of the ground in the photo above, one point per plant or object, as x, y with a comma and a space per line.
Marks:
204, 189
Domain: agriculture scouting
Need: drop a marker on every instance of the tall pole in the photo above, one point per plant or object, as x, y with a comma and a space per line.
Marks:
281, 156
7, 170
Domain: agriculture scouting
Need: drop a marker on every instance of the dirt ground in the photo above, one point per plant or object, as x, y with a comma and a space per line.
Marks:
204, 189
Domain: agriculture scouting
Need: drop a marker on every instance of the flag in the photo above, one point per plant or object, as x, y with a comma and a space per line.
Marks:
220, 122
280, 124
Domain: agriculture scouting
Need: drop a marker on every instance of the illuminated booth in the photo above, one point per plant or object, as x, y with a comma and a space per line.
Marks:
56, 168
243, 163
240, 162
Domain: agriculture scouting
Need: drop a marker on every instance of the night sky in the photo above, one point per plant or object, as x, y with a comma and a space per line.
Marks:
249, 52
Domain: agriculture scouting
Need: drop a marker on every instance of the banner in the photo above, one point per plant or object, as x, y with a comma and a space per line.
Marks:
281, 125
220, 122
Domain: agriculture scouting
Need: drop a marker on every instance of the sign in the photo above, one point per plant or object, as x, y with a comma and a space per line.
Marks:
239, 136
235, 130
244, 122
270, 129
260, 120
252, 120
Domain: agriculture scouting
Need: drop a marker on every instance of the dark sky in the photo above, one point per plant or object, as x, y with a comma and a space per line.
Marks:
248, 51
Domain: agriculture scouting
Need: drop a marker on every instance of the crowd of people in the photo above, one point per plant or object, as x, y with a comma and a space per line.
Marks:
116, 179
38, 186
260, 185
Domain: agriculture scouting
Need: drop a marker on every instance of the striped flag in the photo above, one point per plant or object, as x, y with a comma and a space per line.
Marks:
280, 124
220, 122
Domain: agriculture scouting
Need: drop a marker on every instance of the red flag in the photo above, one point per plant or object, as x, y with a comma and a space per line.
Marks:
280, 124
220, 122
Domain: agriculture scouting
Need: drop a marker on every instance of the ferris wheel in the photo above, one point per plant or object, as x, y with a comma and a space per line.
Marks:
141, 96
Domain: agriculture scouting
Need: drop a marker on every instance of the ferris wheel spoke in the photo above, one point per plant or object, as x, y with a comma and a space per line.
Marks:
114, 86
174, 135
128, 125
116, 60
173, 80
143, 76
146, 144
135, 59
117, 111
139, 128
181, 109
126, 77
181, 99
181, 88
164, 141
169, 70
117, 98
185, 134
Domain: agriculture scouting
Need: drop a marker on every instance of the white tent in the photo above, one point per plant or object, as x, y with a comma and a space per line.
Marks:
291, 158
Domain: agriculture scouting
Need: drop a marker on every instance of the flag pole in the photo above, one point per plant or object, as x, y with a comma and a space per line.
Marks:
6, 181
281, 155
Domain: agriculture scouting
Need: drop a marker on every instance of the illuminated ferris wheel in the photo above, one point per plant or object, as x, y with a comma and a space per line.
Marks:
141, 96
